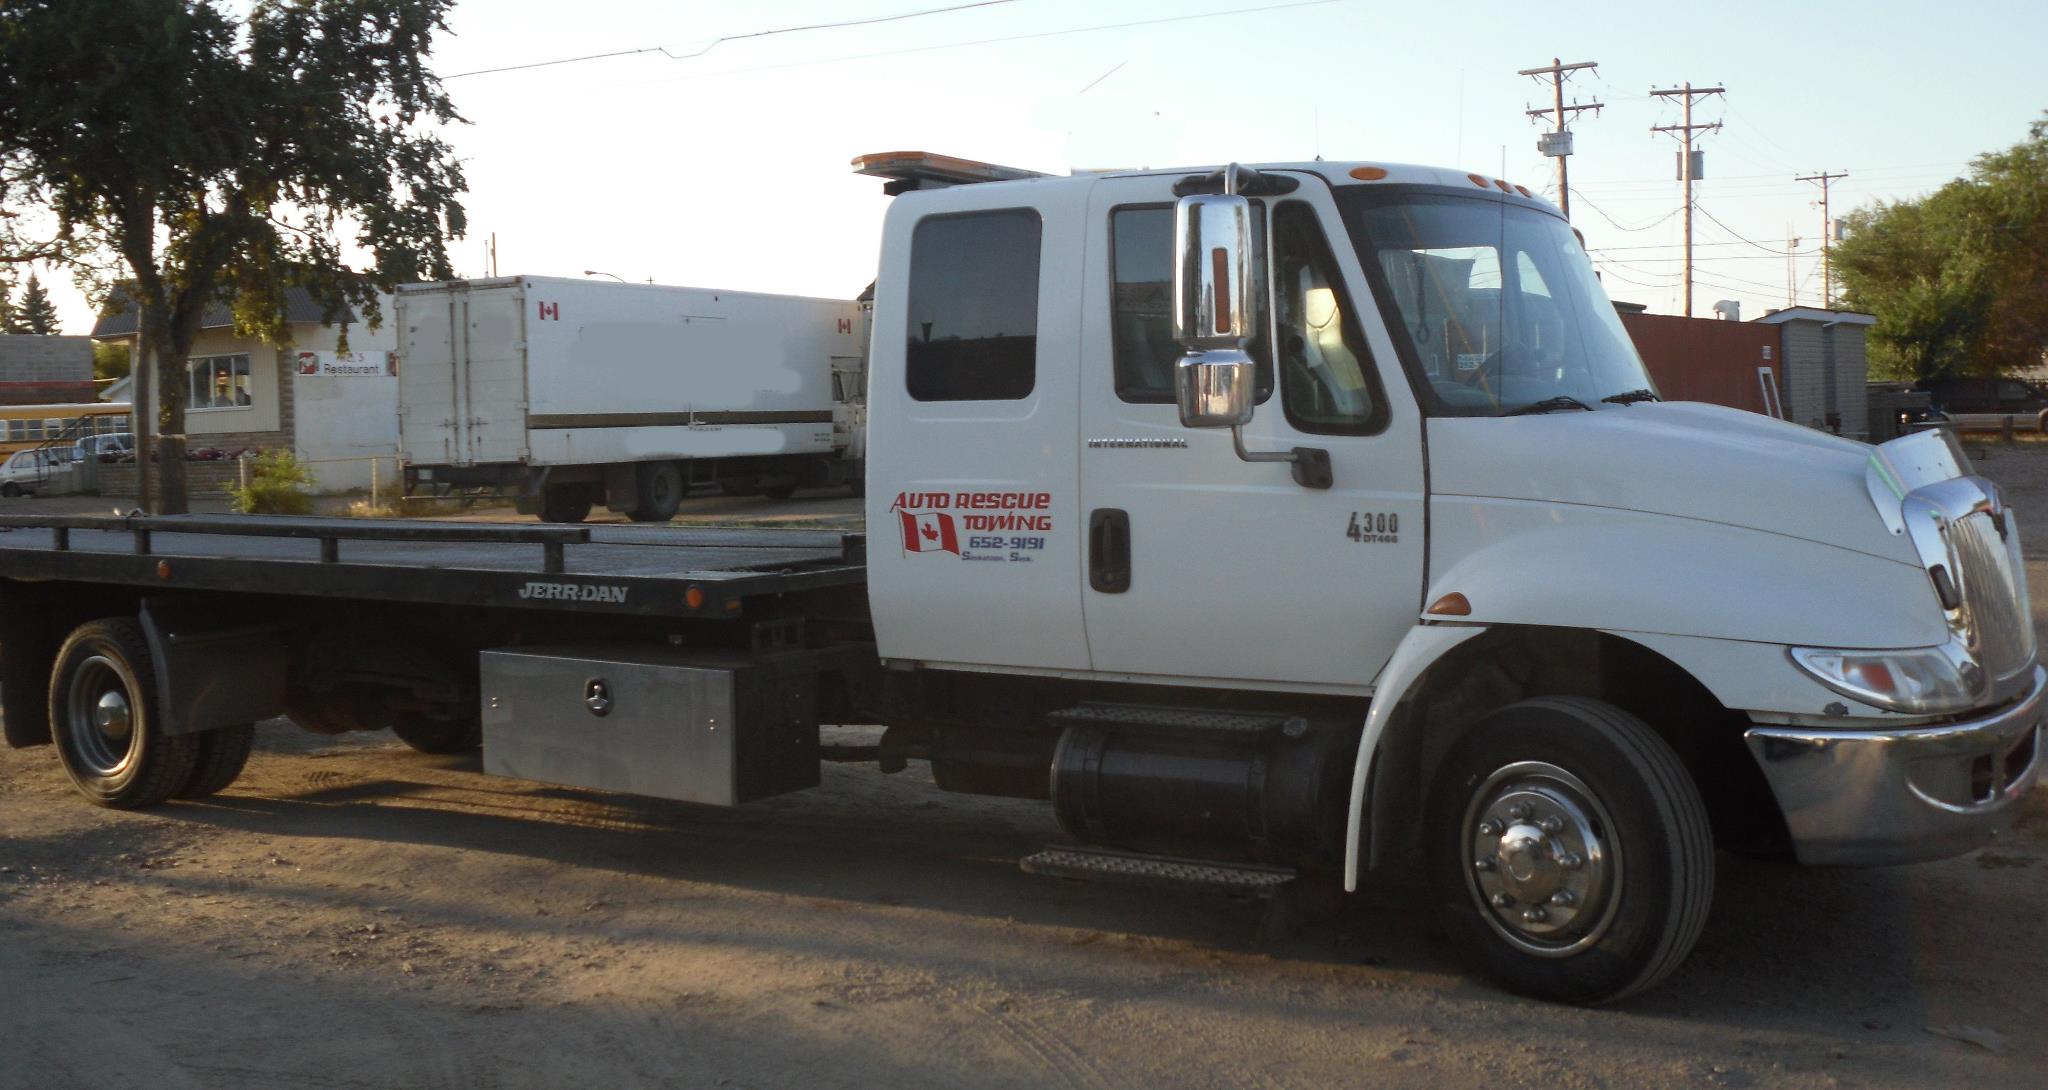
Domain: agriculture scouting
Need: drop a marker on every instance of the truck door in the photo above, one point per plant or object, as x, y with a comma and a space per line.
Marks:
429, 386
1206, 569
974, 539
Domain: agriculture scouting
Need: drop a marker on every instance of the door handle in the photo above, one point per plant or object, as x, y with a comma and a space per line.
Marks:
1109, 550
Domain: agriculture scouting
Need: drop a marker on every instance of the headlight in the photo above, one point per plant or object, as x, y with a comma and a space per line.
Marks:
1917, 681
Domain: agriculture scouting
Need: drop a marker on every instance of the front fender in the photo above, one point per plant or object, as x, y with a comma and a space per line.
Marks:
1417, 652
1577, 566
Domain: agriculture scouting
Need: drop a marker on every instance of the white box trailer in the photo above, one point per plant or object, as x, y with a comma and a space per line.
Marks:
576, 392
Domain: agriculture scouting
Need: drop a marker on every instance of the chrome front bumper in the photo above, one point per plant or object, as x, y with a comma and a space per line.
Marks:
1906, 795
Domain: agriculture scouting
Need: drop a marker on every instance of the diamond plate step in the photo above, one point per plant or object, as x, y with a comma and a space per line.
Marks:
1132, 868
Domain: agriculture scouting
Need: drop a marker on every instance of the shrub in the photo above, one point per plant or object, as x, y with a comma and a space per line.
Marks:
277, 486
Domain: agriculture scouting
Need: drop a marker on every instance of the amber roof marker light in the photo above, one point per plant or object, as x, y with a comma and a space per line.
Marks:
1368, 174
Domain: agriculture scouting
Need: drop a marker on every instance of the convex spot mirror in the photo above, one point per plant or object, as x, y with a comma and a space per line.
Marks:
1212, 312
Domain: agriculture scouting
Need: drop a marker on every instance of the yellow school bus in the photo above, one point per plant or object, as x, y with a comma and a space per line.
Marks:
23, 427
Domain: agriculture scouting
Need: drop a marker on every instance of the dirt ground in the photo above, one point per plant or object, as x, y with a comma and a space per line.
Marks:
355, 915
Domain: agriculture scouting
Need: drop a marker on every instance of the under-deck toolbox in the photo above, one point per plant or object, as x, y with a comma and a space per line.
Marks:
695, 725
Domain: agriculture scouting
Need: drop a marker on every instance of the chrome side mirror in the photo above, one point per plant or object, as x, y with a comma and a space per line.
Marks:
1212, 311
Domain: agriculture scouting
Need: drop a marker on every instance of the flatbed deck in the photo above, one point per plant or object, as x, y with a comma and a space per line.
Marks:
632, 570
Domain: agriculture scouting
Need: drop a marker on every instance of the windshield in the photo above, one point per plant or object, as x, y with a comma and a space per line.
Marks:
1493, 305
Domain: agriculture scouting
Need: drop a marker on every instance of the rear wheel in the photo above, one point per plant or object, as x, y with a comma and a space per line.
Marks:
661, 491
104, 717
565, 503
223, 753
1569, 851
10, 490
458, 735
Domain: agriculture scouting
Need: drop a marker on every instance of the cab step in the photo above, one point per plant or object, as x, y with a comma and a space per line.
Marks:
1149, 719
1137, 869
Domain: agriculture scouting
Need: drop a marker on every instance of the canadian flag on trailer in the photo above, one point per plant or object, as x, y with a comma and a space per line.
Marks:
929, 532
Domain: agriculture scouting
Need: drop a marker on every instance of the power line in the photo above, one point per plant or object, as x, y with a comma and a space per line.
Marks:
1618, 224
1739, 235
716, 42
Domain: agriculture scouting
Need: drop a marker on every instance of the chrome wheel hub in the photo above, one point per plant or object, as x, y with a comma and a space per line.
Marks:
1544, 869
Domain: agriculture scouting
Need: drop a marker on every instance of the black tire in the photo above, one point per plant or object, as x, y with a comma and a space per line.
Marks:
568, 503
223, 753
460, 735
779, 491
660, 487
1617, 890
103, 717
739, 486
10, 490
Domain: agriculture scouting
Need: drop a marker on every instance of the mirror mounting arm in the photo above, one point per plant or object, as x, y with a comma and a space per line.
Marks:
1311, 464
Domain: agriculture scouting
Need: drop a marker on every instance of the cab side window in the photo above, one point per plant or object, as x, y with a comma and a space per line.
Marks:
1327, 380
1141, 304
973, 332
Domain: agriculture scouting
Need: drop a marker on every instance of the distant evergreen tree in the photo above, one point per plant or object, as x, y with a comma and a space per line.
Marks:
36, 314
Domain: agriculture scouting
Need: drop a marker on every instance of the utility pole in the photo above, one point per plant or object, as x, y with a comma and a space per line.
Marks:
1557, 143
1687, 166
1827, 234
1791, 267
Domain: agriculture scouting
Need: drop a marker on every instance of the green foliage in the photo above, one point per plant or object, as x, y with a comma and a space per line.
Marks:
1958, 279
277, 486
34, 313
110, 361
202, 157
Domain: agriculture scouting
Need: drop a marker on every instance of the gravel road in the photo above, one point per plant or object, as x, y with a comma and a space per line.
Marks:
355, 915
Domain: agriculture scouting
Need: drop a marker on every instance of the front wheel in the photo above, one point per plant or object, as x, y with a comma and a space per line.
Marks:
660, 487
10, 490
1569, 851
103, 713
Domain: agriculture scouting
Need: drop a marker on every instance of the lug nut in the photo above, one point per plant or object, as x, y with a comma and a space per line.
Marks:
1488, 828
1570, 861
1502, 900
1534, 915
1563, 898
1551, 824
1519, 811
1485, 864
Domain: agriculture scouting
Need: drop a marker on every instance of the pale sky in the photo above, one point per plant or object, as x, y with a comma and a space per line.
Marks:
730, 169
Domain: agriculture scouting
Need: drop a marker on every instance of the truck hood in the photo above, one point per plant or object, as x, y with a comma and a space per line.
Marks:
1682, 459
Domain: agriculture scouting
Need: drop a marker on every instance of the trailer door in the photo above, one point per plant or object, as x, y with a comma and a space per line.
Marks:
494, 369
429, 384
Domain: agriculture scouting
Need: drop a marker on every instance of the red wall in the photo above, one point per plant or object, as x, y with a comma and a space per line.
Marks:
1705, 359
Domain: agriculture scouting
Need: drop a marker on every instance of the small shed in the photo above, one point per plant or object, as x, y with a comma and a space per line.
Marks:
1823, 368
1707, 359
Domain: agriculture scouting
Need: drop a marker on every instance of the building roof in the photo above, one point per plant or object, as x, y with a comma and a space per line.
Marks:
1816, 314
118, 319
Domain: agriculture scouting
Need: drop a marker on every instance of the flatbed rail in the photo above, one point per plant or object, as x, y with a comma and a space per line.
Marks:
649, 570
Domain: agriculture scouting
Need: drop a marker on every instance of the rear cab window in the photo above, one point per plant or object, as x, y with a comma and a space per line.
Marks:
973, 306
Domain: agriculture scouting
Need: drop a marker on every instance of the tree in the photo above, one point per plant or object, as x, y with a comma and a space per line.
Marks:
35, 313
110, 361
1958, 280
202, 160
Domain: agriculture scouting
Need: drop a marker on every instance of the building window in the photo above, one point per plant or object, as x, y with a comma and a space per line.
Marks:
218, 382
974, 307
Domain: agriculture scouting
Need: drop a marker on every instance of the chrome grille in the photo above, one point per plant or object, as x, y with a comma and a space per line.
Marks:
1992, 581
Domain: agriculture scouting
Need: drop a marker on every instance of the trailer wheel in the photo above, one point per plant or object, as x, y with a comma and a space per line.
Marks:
223, 753
459, 735
565, 503
1568, 851
10, 490
661, 491
103, 714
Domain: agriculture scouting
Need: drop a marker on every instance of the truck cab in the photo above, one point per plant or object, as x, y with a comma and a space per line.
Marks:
1361, 452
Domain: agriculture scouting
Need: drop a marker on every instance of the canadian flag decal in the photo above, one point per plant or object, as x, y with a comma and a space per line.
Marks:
929, 532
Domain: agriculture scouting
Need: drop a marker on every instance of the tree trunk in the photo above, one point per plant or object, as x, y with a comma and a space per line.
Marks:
171, 384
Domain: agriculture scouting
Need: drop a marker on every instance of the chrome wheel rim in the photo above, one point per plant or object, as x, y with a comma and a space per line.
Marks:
100, 715
1542, 863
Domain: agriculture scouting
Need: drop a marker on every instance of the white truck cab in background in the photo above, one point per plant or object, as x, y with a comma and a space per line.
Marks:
1299, 515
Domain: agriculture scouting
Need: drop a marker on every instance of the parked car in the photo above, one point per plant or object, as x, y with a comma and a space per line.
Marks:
1966, 403
27, 470
111, 447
